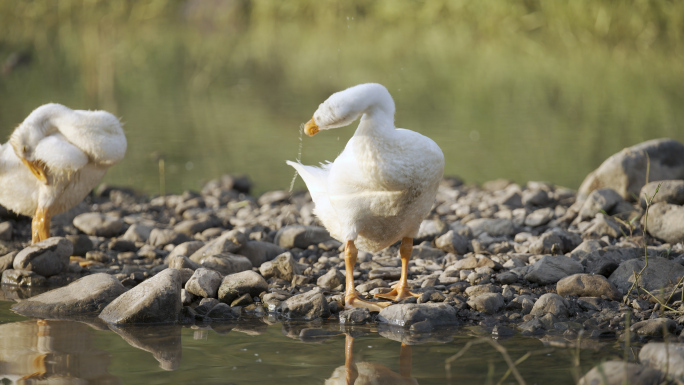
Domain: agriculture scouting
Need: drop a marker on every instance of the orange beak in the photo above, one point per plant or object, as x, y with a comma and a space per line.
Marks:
38, 169
310, 128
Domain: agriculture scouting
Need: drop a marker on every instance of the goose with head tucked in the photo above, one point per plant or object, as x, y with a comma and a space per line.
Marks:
379, 189
54, 158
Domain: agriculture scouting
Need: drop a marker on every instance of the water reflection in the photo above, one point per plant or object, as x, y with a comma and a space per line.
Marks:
362, 373
163, 341
52, 352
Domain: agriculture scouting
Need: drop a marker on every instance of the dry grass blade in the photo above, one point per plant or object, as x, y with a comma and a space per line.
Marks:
498, 347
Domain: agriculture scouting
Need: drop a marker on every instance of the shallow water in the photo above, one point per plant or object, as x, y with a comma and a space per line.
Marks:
254, 352
524, 91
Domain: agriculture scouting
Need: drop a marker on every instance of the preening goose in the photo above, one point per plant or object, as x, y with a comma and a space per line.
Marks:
54, 159
379, 189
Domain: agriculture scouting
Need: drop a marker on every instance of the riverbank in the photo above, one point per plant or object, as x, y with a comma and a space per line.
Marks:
530, 259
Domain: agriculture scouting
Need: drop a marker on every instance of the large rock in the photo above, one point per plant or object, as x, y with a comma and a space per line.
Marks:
87, 295
666, 357
587, 285
283, 267
666, 221
405, 315
204, 283
235, 285
660, 273
670, 191
620, 373
226, 263
98, 224
307, 306
550, 269
301, 236
625, 172
551, 303
156, 300
46, 258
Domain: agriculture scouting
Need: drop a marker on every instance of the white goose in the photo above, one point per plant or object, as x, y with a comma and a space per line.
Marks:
379, 189
65, 153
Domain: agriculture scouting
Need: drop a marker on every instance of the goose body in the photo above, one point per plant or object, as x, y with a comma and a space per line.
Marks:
381, 187
54, 159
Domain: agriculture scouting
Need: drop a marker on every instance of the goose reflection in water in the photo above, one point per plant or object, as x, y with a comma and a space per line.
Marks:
366, 373
52, 352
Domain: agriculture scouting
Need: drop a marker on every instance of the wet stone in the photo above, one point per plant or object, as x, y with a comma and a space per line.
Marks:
657, 327
355, 316
157, 300
405, 315
222, 312
666, 357
235, 285
22, 278
88, 295
46, 258
620, 372
308, 306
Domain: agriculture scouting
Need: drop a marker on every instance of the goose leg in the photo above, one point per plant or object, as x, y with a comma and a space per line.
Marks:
400, 290
351, 297
405, 360
352, 372
40, 225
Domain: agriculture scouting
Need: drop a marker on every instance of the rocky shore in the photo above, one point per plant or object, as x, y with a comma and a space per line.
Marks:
535, 259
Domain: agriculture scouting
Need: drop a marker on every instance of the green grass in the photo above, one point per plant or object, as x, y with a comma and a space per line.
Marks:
550, 88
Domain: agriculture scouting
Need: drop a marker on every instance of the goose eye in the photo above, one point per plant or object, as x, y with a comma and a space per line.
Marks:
24, 149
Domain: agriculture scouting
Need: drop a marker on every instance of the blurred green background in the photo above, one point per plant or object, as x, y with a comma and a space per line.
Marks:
525, 90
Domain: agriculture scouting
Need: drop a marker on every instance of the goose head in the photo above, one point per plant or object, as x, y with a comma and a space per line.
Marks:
24, 141
344, 107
